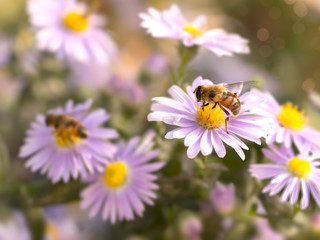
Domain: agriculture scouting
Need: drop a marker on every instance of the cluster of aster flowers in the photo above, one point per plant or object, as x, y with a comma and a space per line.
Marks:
71, 143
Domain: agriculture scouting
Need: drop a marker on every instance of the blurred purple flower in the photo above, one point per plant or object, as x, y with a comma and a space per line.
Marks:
15, 228
6, 48
64, 27
126, 184
204, 130
264, 231
128, 88
289, 173
171, 24
157, 64
315, 222
61, 153
289, 124
223, 198
191, 228
91, 75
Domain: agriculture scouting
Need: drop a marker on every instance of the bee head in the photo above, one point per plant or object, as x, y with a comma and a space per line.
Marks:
197, 91
49, 119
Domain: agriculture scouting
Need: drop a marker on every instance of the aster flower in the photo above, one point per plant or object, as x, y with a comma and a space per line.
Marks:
289, 124
171, 24
126, 184
64, 27
191, 227
223, 198
62, 152
90, 75
14, 228
204, 130
290, 173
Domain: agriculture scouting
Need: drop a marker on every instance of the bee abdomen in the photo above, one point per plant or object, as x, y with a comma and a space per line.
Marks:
235, 108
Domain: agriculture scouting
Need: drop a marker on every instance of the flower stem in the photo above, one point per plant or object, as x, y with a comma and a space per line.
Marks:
186, 55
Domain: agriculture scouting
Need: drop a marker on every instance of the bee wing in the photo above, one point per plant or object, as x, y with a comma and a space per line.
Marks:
240, 86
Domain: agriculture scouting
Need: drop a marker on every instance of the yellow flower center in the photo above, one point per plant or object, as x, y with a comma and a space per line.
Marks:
193, 31
75, 21
300, 168
116, 174
66, 137
290, 117
52, 232
209, 118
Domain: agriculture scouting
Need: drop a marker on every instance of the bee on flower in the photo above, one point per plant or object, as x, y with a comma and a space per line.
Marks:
67, 142
203, 126
66, 28
171, 24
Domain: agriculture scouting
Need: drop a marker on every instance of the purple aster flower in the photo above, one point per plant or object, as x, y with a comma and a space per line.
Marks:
223, 198
191, 227
61, 151
15, 228
290, 173
204, 130
126, 184
171, 24
289, 124
66, 28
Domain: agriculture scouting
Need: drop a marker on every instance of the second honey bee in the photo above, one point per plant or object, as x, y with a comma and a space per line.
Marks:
225, 96
68, 123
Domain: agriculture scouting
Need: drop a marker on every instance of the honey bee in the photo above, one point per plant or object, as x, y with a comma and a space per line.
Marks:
225, 96
66, 122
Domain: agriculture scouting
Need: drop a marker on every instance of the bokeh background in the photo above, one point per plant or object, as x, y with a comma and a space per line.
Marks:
284, 39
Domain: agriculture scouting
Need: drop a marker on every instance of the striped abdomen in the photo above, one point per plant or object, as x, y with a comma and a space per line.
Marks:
231, 101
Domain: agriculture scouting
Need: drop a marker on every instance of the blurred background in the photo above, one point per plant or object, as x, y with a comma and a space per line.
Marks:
284, 39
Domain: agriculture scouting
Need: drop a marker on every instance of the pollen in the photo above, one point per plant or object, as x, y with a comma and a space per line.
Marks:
52, 232
300, 168
209, 118
193, 31
116, 174
291, 118
75, 21
66, 137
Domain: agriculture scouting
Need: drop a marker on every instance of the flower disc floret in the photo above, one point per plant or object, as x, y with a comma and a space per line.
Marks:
209, 118
66, 137
75, 21
193, 30
291, 118
300, 168
116, 174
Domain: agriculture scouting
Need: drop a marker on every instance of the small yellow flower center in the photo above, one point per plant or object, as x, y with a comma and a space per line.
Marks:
75, 21
116, 175
52, 232
300, 168
209, 118
193, 31
66, 137
291, 118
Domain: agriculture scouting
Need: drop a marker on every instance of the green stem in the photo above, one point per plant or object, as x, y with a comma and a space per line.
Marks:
186, 55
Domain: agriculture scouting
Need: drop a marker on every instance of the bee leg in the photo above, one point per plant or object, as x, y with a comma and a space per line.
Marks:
227, 118
211, 109
204, 105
